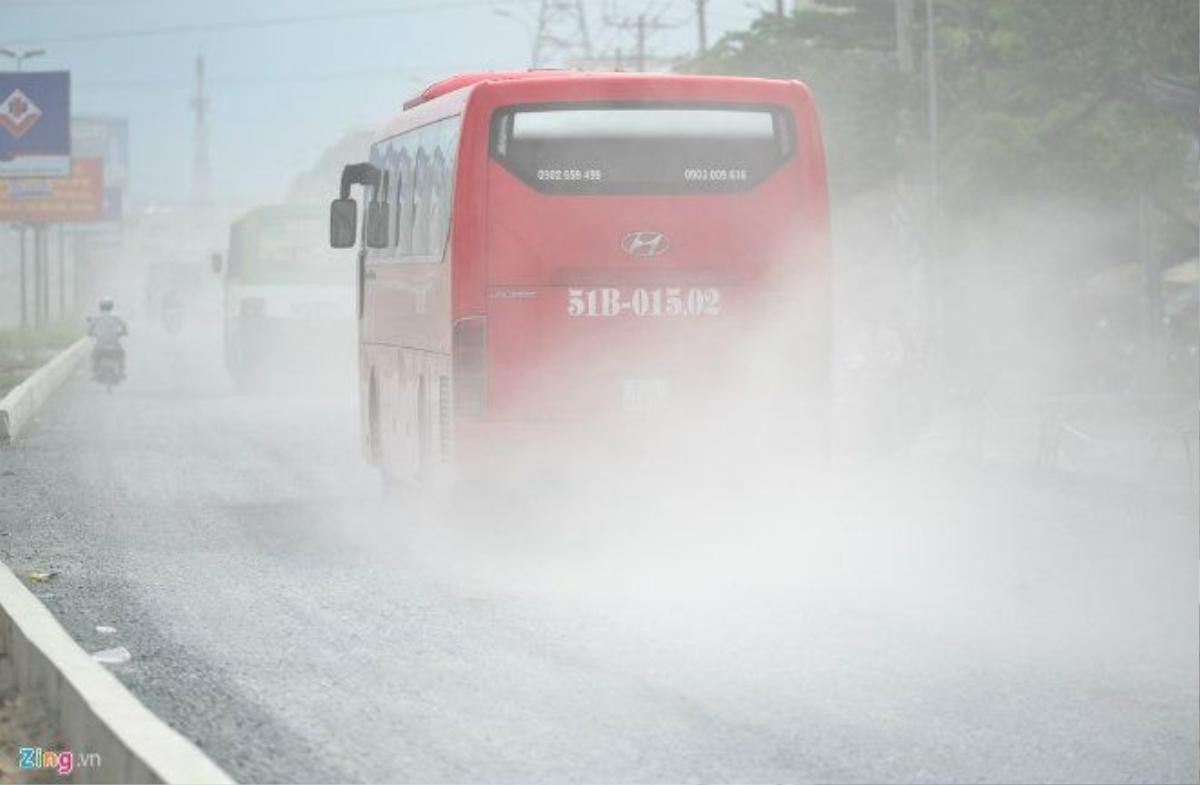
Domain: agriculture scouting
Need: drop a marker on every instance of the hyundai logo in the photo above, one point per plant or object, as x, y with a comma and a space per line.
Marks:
645, 243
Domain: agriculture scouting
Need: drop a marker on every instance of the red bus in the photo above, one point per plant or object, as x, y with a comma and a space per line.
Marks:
548, 249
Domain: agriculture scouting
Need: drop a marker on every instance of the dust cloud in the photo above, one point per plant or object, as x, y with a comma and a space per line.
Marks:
938, 531
972, 504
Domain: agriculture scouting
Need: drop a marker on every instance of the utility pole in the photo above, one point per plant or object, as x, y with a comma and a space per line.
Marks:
904, 50
21, 57
701, 27
200, 167
62, 272
37, 275
641, 43
641, 26
45, 273
24, 276
524, 23
932, 267
561, 36
931, 76
907, 247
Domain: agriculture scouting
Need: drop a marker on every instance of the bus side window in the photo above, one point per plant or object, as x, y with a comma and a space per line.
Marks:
381, 195
449, 147
395, 185
420, 213
378, 158
418, 187
404, 199
438, 207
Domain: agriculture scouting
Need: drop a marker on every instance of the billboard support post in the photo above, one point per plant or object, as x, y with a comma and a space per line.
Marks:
24, 298
39, 235
46, 273
62, 272
43, 250
37, 277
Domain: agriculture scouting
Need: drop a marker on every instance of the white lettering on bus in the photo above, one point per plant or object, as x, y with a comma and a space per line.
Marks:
610, 301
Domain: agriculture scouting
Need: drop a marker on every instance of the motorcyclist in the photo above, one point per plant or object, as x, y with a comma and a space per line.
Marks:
107, 328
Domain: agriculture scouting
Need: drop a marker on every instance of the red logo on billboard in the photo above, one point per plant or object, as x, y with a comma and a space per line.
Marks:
18, 114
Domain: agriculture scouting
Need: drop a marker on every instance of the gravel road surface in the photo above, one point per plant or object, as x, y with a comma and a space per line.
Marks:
932, 623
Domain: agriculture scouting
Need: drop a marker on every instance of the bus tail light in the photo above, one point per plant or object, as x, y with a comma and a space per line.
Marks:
470, 366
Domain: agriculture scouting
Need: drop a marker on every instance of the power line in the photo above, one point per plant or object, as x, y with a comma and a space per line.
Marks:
561, 33
247, 24
250, 81
642, 26
51, 5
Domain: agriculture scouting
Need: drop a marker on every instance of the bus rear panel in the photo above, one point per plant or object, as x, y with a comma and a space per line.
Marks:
616, 244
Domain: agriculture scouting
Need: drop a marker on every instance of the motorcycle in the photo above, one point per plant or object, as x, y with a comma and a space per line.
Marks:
109, 368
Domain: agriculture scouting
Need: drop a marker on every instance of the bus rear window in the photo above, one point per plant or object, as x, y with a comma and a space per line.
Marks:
641, 148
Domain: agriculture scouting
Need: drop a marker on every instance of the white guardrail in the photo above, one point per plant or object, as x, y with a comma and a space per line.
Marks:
91, 712
22, 402
94, 715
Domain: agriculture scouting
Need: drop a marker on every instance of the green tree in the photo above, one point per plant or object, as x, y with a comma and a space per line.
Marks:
1054, 97
845, 53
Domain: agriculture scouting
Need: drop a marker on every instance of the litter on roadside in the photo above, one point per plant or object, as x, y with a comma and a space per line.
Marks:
115, 656
105, 630
40, 577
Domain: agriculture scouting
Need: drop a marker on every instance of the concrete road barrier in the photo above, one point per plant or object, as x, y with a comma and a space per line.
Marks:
91, 709
18, 408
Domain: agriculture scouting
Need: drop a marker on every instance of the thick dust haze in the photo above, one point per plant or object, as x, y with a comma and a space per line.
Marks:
970, 553
933, 554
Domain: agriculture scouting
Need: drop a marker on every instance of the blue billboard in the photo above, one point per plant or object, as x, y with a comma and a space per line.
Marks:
35, 124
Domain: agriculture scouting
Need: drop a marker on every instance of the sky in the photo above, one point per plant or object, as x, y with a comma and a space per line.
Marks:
284, 86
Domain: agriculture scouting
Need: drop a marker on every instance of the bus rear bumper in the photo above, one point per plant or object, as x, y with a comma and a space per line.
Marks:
539, 449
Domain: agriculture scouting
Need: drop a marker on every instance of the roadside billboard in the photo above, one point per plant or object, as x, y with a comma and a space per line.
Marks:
78, 197
35, 125
106, 138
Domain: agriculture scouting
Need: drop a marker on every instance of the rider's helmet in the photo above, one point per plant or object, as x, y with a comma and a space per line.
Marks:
106, 304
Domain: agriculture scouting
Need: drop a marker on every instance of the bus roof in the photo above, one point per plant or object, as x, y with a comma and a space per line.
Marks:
459, 81
284, 210
449, 85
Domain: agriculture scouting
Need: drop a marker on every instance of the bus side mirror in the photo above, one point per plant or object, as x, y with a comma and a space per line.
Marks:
343, 223
218, 263
377, 226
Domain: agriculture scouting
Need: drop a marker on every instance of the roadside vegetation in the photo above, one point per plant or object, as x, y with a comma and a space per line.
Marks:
1042, 231
1091, 99
24, 349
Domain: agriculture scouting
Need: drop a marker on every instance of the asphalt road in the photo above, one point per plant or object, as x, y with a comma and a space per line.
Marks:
923, 623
